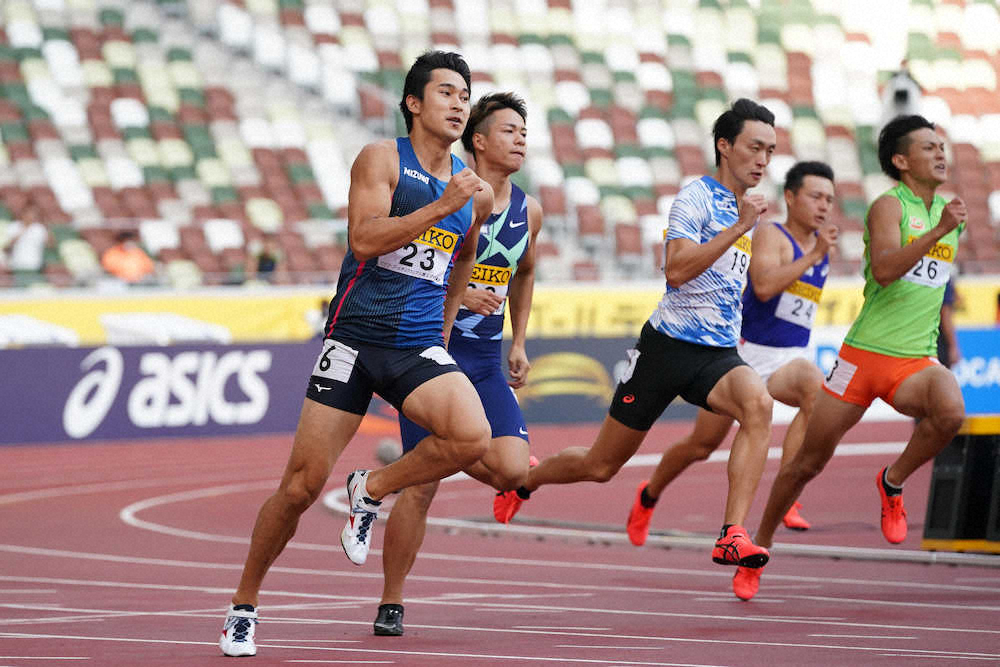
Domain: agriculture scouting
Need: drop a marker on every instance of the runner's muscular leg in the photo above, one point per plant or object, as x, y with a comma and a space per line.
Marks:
404, 533
830, 420
449, 407
797, 384
505, 464
741, 394
709, 431
933, 396
615, 444
320, 437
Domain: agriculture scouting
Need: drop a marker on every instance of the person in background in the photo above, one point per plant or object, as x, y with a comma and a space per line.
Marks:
127, 260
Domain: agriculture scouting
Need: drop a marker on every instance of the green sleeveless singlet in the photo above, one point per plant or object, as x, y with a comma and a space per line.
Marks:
901, 319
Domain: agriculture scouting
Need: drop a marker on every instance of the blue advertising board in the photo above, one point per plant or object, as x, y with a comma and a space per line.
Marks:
978, 371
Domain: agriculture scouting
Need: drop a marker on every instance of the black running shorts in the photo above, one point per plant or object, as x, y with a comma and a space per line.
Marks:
662, 368
346, 374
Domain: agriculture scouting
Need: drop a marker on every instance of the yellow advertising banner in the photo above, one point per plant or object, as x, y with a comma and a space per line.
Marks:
280, 314
604, 312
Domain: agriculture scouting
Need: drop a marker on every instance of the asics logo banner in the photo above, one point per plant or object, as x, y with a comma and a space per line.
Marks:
188, 388
413, 173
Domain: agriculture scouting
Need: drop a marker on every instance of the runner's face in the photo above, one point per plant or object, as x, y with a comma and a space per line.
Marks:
504, 140
750, 153
445, 107
812, 205
925, 157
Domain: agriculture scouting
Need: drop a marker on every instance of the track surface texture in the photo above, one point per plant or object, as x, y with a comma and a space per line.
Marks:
127, 554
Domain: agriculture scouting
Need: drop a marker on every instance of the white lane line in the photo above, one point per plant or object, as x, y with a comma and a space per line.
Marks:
722, 455
548, 585
893, 603
102, 487
935, 657
333, 500
127, 514
867, 636
558, 627
317, 641
520, 606
612, 646
440, 654
679, 640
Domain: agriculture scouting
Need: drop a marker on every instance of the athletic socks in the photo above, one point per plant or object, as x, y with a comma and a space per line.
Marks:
646, 501
889, 488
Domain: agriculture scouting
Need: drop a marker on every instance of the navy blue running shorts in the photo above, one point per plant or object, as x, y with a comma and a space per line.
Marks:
662, 368
480, 360
347, 373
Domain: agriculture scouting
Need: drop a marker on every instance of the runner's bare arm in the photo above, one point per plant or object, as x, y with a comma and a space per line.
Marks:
889, 259
522, 287
686, 259
462, 270
374, 176
772, 270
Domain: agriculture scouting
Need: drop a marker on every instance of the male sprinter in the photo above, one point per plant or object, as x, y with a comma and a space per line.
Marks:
411, 206
911, 237
788, 269
504, 274
688, 346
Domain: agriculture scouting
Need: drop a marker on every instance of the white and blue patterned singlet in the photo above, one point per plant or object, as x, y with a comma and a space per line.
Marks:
707, 309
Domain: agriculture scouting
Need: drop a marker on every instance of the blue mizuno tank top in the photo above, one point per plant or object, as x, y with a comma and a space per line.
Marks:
503, 239
397, 299
786, 319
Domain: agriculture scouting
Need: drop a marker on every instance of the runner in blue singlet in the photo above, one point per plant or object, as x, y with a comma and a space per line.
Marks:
503, 276
414, 212
688, 346
787, 272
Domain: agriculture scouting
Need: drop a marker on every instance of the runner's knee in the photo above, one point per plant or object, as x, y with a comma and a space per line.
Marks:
420, 496
700, 450
757, 410
804, 468
948, 417
301, 489
467, 441
603, 471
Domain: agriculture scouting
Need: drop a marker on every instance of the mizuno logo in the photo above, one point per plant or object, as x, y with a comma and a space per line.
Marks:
320, 388
518, 224
413, 173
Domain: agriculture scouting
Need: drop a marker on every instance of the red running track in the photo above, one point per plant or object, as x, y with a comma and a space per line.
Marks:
126, 554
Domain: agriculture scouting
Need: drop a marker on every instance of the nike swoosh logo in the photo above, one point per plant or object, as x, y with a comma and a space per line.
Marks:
518, 224
522, 431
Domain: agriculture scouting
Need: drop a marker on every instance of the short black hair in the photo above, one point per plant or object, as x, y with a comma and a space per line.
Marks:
895, 139
729, 125
797, 174
486, 107
420, 74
